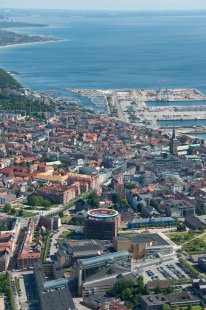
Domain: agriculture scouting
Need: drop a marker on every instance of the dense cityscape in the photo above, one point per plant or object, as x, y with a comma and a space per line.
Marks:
101, 209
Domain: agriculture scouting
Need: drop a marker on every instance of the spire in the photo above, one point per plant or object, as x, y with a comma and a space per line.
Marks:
173, 134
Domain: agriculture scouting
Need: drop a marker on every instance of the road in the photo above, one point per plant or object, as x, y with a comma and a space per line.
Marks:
27, 298
14, 291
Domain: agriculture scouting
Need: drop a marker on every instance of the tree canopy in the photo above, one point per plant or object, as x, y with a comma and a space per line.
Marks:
130, 291
93, 200
7, 81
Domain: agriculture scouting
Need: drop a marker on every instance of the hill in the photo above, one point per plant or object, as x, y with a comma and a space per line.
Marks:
13, 98
7, 81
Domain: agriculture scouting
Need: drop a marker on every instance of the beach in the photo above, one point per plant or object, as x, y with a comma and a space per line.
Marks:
29, 43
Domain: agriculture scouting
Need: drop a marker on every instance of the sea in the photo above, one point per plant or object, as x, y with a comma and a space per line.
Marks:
115, 50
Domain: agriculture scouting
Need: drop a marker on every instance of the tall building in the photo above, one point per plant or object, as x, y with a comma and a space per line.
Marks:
102, 224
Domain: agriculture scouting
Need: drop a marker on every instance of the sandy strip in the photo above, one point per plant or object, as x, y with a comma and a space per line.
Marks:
30, 43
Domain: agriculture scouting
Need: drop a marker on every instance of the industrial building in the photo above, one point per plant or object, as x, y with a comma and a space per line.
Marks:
99, 273
69, 252
143, 244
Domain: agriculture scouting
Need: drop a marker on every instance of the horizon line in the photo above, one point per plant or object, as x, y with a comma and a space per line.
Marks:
104, 10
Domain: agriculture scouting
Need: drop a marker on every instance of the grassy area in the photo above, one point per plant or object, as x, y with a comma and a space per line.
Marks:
67, 236
18, 206
181, 237
196, 247
65, 219
203, 237
28, 214
46, 246
192, 308
17, 284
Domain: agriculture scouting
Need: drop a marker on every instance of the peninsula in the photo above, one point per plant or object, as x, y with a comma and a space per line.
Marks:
8, 38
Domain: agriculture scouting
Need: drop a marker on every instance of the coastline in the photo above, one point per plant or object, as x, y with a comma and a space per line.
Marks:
29, 43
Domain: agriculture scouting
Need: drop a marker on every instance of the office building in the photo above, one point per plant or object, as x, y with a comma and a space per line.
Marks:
53, 289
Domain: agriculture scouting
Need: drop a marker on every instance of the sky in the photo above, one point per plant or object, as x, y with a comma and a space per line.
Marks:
106, 4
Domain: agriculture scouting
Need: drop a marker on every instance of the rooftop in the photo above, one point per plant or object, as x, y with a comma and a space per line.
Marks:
146, 238
89, 262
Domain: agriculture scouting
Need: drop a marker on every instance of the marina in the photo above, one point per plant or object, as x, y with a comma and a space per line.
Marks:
143, 107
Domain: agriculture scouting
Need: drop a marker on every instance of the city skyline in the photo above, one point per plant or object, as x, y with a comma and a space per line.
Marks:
107, 4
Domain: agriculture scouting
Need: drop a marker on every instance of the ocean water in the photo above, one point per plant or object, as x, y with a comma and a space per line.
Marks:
201, 135
182, 123
111, 50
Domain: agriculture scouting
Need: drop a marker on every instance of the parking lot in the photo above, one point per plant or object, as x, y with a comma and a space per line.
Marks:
167, 271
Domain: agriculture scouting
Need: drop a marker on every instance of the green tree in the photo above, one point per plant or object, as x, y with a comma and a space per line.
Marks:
158, 290
46, 203
18, 192
3, 227
35, 200
124, 203
165, 307
145, 291
130, 186
116, 199
140, 206
191, 233
13, 211
21, 212
201, 228
169, 290
7, 208
126, 294
93, 200
140, 283
181, 226
61, 214
129, 291
154, 203
120, 285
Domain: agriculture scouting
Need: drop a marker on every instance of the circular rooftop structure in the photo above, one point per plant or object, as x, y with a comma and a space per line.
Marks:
103, 214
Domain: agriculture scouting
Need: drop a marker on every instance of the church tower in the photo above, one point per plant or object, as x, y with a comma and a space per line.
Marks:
173, 143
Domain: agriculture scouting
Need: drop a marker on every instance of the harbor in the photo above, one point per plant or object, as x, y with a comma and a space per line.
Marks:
184, 107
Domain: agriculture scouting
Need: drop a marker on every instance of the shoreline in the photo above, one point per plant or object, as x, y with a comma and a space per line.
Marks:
29, 43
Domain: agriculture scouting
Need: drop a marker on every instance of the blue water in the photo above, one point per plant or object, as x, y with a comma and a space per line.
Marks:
112, 50
198, 135
83, 100
182, 123
175, 103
